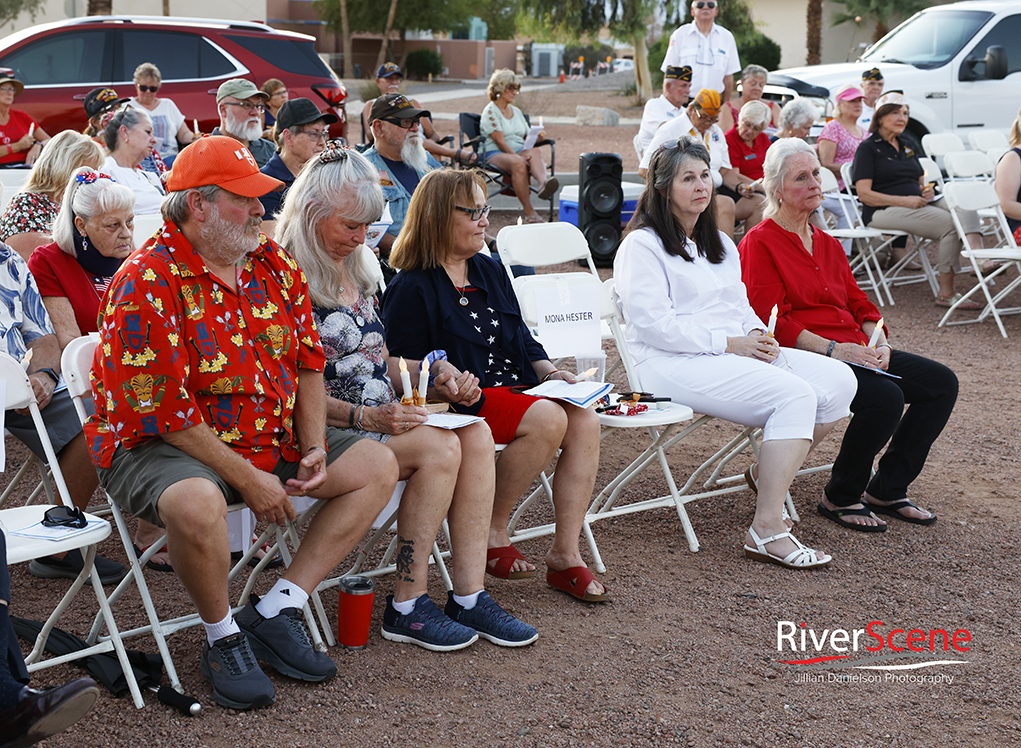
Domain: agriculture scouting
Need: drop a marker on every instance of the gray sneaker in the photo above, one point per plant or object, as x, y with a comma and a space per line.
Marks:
237, 680
283, 642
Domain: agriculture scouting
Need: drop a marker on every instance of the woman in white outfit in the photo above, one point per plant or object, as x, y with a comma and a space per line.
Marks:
696, 339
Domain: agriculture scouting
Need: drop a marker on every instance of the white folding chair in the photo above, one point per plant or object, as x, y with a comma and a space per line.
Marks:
637, 142
76, 363
938, 144
11, 180
995, 154
968, 165
984, 140
542, 245
982, 196
145, 227
867, 241
21, 549
893, 275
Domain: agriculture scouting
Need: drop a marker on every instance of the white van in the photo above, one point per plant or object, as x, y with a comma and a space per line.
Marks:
959, 65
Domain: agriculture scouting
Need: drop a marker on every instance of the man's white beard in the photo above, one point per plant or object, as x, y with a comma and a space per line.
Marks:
413, 152
226, 242
245, 129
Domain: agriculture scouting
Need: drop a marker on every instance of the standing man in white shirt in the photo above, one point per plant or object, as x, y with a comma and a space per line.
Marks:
676, 92
872, 87
707, 48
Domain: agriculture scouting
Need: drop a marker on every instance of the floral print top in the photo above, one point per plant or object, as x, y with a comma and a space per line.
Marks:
27, 213
178, 348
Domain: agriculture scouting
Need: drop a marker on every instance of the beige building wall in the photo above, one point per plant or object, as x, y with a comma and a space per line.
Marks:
784, 22
59, 10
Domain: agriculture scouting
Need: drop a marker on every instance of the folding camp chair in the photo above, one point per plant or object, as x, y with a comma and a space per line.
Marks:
21, 549
469, 136
982, 196
76, 363
938, 144
985, 140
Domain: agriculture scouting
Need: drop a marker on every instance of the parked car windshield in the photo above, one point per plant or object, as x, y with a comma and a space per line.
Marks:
928, 40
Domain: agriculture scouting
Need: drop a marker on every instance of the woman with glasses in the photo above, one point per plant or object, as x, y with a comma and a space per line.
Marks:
168, 124
448, 473
129, 136
747, 141
451, 296
504, 127
696, 339
21, 139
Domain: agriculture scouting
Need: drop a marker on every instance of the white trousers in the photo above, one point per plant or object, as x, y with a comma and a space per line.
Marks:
785, 398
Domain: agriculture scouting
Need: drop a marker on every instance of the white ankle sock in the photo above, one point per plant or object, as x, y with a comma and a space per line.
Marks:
467, 601
405, 606
220, 629
284, 594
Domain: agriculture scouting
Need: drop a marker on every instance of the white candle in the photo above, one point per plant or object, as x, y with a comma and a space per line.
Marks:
406, 389
27, 359
875, 333
423, 380
772, 322
195, 122
31, 129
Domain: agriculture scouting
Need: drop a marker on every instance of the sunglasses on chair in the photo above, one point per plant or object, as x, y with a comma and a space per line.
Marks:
63, 516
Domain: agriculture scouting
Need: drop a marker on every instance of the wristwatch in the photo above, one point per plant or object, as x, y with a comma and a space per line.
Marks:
53, 375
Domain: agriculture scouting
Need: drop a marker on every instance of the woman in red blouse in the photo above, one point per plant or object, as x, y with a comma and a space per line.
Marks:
803, 271
747, 141
21, 139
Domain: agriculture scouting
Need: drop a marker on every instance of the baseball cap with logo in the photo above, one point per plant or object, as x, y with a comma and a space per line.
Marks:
395, 105
385, 71
100, 100
223, 161
239, 88
872, 74
709, 101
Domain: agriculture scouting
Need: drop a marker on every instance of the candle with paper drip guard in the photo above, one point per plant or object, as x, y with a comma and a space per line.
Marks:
772, 322
423, 383
875, 333
407, 392
195, 124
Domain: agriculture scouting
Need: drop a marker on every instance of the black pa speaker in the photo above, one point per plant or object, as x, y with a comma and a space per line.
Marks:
600, 199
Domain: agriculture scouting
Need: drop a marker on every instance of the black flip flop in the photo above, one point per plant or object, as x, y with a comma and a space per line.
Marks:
893, 510
835, 516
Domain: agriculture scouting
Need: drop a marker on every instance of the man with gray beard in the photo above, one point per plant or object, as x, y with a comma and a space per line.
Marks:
240, 105
209, 391
398, 151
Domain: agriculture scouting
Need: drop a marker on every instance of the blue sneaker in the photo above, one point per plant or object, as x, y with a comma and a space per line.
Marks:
491, 621
238, 681
283, 642
427, 626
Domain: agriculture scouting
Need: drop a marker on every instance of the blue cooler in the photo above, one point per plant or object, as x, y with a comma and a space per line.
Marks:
569, 202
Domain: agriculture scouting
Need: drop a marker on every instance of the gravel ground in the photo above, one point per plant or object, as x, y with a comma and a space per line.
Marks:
686, 653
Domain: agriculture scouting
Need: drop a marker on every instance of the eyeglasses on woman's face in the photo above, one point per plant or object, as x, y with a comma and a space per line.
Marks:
7, 89
475, 214
143, 89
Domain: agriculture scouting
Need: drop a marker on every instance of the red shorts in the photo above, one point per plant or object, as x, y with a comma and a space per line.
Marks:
503, 411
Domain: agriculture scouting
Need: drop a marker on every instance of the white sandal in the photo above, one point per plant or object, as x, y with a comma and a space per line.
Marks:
802, 558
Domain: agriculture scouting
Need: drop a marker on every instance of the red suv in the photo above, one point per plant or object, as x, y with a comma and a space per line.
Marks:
59, 63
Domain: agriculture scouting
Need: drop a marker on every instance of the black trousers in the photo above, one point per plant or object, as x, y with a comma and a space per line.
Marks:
11, 652
930, 391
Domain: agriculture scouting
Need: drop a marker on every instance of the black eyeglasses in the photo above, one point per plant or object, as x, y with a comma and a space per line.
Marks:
64, 516
247, 106
404, 124
513, 87
709, 5
153, 89
475, 214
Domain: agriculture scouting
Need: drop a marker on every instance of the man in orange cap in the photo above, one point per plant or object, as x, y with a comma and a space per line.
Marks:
737, 198
209, 390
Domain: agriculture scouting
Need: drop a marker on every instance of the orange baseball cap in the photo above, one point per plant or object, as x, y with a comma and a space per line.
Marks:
221, 161
709, 100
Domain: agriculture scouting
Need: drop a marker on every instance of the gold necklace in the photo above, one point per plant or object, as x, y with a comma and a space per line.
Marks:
807, 243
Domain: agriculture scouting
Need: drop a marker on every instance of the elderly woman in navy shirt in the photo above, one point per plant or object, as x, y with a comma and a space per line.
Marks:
450, 297
896, 194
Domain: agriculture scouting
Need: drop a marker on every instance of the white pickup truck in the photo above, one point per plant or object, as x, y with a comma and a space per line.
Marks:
959, 66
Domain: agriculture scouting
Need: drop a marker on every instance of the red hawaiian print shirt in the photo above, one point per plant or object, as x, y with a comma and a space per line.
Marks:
178, 348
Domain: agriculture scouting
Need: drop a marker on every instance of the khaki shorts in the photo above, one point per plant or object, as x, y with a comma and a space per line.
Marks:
138, 477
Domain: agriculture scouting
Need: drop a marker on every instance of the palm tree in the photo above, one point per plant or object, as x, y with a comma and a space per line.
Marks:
883, 12
813, 22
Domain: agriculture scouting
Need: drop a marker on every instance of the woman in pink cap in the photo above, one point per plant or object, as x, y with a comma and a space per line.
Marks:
838, 141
